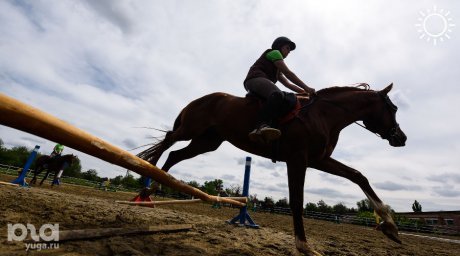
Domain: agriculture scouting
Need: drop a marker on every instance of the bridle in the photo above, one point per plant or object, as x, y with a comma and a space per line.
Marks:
392, 133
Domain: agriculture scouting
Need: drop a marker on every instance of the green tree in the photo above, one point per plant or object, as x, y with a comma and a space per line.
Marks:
130, 182
194, 184
340, 208
117, 180
323, 207
211, 187
90, 174
311, 207
364, 206
416, 206
268, 202
234, 190
282, 203
17, 156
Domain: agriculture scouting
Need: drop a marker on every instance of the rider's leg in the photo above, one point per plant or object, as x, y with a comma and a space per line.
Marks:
261, 86
274, 99
271, 110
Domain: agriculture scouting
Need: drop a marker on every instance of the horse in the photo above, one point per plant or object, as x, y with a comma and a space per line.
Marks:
307, 140
54, 164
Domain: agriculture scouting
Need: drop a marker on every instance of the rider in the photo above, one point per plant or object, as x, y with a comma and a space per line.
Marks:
57, 150
261, 79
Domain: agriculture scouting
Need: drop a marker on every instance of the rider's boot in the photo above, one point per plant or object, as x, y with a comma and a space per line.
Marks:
269, 113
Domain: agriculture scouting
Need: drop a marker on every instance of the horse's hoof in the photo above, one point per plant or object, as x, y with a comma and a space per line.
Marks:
304, 248
390, 230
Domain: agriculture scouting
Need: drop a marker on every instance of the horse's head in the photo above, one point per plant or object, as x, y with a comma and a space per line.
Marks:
70, 158
74, 158
383, 120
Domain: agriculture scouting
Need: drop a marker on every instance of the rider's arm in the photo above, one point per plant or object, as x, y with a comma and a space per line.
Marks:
281, 65
288, 84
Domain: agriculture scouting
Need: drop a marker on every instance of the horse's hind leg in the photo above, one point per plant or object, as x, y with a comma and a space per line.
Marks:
34, 179
206, 142
184, 129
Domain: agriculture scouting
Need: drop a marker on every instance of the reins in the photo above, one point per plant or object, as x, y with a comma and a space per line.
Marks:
346, 110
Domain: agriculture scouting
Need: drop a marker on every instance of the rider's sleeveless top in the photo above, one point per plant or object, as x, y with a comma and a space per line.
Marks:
263, 67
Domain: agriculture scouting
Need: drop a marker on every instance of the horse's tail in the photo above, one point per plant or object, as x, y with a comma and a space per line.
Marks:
154, 153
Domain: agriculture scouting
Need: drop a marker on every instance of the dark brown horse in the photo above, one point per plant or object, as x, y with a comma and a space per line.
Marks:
307, 140
54, 165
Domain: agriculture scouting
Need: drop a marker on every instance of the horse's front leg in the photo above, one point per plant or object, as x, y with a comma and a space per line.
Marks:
333, 166
296, 168
46, 176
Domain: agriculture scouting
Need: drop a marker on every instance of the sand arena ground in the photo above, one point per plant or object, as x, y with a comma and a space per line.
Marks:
77, 207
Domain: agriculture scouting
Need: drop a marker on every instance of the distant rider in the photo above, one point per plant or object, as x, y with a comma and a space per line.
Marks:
57, 151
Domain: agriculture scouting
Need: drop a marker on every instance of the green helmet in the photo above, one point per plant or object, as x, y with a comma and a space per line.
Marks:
282, 40
58, 148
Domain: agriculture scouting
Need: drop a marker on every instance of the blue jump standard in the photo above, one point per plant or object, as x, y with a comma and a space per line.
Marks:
140, 197
21, 180
243, 218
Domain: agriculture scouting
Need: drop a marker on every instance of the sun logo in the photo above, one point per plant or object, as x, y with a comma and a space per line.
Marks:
435, 25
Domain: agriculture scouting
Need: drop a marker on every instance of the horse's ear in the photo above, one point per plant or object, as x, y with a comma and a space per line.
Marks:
387, 89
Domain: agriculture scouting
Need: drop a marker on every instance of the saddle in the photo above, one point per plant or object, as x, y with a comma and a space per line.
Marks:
294, 103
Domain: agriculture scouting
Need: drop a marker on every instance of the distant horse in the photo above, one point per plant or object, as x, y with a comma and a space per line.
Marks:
308, 140
51, 165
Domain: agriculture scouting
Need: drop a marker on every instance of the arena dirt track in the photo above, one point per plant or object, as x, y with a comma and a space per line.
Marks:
75, 207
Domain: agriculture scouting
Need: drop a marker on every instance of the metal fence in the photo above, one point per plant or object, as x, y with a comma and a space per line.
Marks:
353, 219
14, 171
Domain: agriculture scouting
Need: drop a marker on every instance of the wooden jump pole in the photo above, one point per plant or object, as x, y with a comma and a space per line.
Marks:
18, 115
189, 201
149, 203
8, 183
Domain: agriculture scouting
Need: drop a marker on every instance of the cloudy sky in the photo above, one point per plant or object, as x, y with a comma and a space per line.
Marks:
109, 67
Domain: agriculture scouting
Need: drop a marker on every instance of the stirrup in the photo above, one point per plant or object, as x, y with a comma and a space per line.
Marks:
270, 133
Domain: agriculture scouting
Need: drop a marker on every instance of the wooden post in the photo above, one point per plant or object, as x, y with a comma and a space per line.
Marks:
18, 115
83, 234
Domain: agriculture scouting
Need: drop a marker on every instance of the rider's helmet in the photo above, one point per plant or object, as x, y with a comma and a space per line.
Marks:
282, 40
58, 148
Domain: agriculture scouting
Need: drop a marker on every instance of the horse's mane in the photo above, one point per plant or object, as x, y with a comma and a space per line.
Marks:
338, 89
